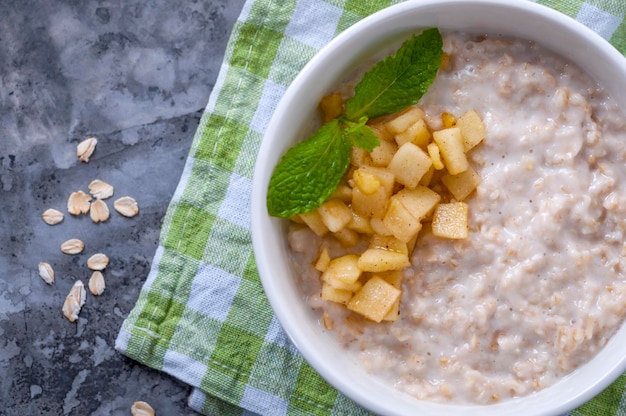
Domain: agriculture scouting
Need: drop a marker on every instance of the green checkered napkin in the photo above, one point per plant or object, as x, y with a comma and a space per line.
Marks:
202, 315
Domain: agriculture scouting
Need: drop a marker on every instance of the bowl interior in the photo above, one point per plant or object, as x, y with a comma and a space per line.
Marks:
292, 117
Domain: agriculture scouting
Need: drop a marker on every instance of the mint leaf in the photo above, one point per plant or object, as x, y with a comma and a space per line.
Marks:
309, 172
399, 80
364, 138
359, 134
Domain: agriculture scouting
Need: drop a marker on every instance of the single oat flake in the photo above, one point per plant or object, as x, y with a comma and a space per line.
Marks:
73, 246
141, 409
126, 206
78, 203
96, 283
46, 272
99, 211
98, 261
100, 189
52, 216
74, 301
85, 149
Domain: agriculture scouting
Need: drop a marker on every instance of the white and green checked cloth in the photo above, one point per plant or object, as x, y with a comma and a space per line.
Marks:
202, 315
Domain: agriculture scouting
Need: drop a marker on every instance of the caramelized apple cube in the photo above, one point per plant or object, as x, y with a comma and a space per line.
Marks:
388, 243
435, 155
383, 153
448, 120
450, 220
452, 150
394, 278
418, 134
374, 300
374, 205
409, 164
360, 224
400, 221
419, 201
472, 129
343, 193
404, 120
335, 214
314, 221
323, 260
461, 185
367, 182
379, 227
360, 157
332, 294
347, 237
332, 106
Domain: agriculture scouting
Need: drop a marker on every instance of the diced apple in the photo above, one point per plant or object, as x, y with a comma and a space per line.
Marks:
404, 120
347, 237
388, 243
360, 157
374, 205
394, 278
367, 182
338, 284
344, 269
335, 214
450, 221
472, 129
379, 260
448, 120
379, 227
343, 193
381, 131
435, 155
360, 224
375, 299
418, 134
409, 164
383, 153
463, 184
332, 294
332, 106
400, 221
314, 221
419, 201
323, 260
452, 150
428, 176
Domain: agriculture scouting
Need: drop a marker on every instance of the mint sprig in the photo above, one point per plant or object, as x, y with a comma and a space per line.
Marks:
311, 170
399, 80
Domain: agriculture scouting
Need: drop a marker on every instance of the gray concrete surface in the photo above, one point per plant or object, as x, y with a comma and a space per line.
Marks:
136, 75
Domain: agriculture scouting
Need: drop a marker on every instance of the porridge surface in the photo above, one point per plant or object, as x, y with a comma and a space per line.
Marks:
538, 288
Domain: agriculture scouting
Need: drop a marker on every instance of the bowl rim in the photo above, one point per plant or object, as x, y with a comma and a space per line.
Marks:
261, 225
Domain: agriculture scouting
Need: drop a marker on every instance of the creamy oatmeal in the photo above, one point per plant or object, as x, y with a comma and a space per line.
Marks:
538, 287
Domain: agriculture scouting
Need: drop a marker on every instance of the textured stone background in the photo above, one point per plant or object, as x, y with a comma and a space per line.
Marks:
136, 75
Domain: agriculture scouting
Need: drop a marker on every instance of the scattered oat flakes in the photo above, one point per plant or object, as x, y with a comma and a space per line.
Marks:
78, 203
96, 283
85, 149
99, 211
98, 261
46, 272
141, 409
126, 206
74, 301
73, 246
100, 189
52, 216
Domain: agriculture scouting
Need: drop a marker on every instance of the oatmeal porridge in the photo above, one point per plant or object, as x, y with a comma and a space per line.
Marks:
538, 287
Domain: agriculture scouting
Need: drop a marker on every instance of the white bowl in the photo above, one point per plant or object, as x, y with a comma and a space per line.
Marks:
291, 119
